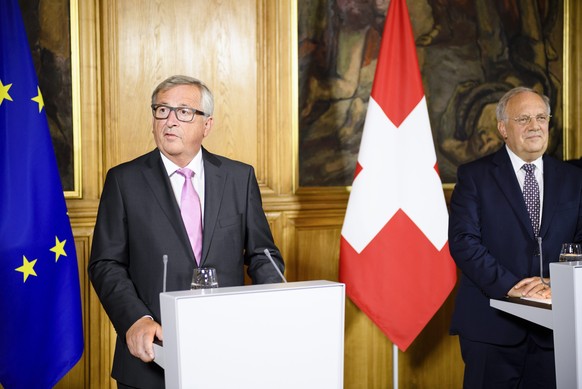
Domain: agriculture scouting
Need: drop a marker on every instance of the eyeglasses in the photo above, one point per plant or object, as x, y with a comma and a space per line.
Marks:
524, 120
183, 114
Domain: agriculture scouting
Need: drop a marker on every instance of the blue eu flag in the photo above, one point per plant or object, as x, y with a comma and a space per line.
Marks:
41, 333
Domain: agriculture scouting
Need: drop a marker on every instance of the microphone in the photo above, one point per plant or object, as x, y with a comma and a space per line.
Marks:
165, 259
268, 254
541, 262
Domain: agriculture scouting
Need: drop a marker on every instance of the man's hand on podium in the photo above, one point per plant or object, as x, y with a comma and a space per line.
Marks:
531, 287
140, 338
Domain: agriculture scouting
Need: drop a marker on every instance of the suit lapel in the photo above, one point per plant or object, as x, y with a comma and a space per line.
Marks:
551, 182
159, 183
215, 179
507, 182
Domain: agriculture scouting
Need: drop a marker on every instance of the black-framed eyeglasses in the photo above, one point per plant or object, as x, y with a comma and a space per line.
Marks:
183, 114
524, 120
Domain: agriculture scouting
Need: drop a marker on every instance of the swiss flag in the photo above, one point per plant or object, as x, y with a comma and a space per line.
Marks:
394, 253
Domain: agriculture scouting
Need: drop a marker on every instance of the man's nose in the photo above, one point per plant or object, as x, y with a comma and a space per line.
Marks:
172, 119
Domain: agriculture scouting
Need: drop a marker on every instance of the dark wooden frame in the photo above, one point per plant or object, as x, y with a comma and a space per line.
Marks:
56, 59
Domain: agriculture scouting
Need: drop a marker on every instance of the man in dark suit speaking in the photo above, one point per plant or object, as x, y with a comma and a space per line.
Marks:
501, 204
147, 210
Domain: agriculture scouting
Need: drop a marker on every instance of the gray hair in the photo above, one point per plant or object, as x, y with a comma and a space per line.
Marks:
206, 98
502, 104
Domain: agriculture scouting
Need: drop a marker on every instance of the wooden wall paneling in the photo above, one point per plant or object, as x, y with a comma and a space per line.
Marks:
227, 53
90, 96
276, 222
109, 141
99, 333
146, 42
572, 79
367, 353
277, 111
312, 245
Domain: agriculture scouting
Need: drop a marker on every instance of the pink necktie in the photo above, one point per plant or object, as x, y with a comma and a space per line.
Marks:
191, 213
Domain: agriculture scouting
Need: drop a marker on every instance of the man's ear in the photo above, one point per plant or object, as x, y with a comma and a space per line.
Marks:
208, 125
501, 128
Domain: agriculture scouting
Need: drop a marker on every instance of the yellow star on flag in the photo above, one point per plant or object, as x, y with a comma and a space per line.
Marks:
4, 92
38, 98
59, 248
27, 268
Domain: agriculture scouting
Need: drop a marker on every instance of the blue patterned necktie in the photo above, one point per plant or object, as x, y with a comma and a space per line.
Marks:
531, 195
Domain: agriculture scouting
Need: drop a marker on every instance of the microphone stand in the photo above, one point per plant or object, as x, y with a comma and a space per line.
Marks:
165, 260
542, 263
268, 254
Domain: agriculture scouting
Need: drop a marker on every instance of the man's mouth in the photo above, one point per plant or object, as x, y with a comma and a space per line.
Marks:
171, 135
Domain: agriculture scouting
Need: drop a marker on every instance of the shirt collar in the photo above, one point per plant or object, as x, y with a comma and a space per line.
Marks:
517, 162
195, 164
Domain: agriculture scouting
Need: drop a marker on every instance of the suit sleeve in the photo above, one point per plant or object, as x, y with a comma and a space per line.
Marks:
466, 240
109, 262
258, 237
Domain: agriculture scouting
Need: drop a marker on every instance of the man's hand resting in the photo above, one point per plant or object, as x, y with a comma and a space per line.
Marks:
531, 287
140, 338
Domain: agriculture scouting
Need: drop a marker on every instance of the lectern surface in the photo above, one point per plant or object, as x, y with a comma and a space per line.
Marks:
264, 336
538, 313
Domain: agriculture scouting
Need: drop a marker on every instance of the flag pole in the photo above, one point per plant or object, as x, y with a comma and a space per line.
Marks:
394, 366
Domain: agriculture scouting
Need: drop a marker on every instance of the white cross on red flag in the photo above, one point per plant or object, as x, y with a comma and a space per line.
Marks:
394, 252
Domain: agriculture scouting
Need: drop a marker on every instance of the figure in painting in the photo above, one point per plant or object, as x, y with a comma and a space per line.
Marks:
470, 53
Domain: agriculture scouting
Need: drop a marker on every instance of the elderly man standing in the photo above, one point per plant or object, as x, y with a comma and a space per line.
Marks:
179, 200
501, 205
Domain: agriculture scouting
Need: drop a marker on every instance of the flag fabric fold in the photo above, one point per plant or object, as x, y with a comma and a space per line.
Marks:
40, 300
394, 253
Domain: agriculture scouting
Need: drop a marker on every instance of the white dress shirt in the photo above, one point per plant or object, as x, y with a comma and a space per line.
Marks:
177, 180
520, 174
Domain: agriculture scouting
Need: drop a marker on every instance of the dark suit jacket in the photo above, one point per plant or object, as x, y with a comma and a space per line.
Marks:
492, 241
139, 221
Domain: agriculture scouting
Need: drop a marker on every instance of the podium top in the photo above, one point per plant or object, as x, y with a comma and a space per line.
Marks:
538, 313
567, 263
229, 290
529, 302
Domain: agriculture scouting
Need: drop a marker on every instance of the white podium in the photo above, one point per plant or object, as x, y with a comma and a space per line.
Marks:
567, 312
261, 336
564, 317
